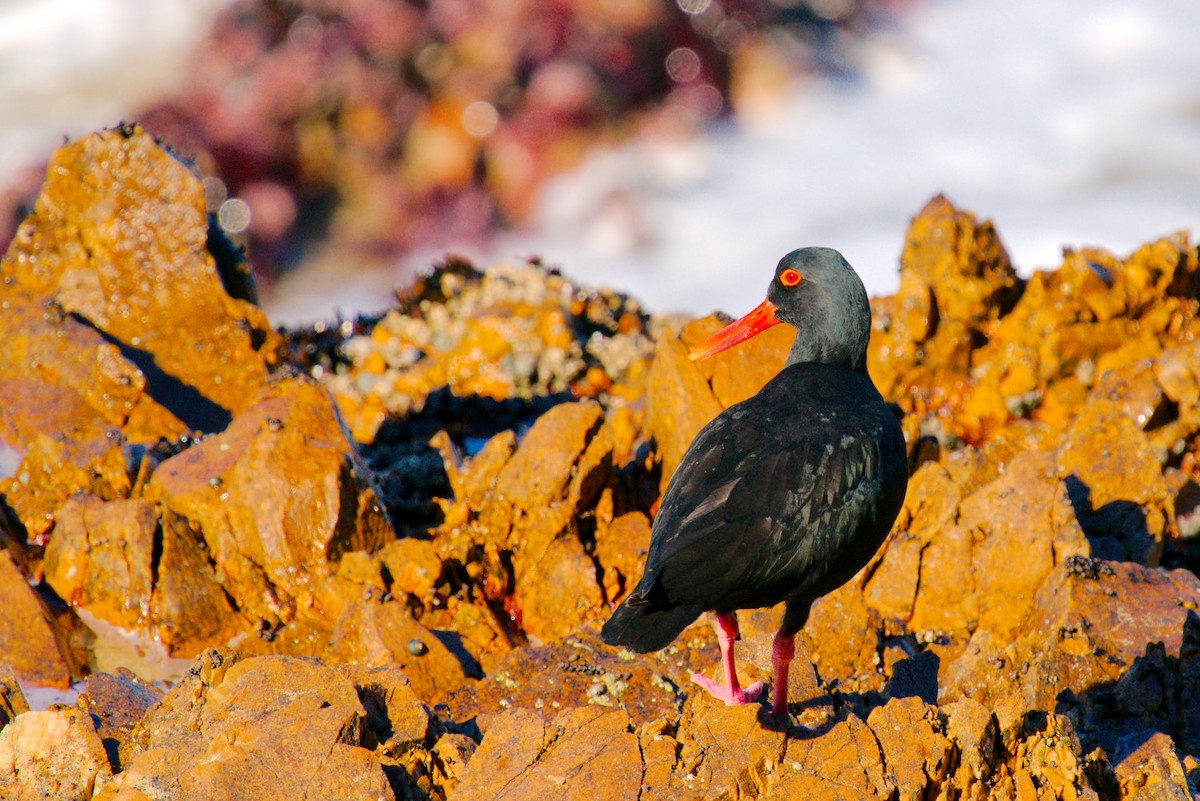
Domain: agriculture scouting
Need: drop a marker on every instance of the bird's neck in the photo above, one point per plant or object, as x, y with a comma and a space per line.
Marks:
810, 346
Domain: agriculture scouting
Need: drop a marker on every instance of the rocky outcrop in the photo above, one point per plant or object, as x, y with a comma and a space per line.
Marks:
388, 555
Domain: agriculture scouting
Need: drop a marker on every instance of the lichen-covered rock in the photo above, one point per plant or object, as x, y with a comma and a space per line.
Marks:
515, 331
843, 761
582, 753
1028, 630
92, 382
917, 752
515, 521
1147, 766
119, 237
1078, 634
579, 670
394, 712
258, 728
955, 567
62, 455
724, 751
680, 403
274, 498
376, 634
963, 263
1116, 484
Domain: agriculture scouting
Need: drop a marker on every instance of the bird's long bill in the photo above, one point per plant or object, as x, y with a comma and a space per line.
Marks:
757, 321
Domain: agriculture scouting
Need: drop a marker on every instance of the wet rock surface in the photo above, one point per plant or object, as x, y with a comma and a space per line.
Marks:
381, 572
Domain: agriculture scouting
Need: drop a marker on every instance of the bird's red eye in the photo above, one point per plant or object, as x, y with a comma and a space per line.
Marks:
789, 278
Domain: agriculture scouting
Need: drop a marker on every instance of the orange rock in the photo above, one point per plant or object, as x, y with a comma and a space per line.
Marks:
1152, 770
395, 713
118, 235
374, 634
739, 373
190, 608
29, 642
982, 571
962, 261
539, 471
912, 736
1022, 526
843, 635
621, 548
558, 592
274, 497
52, 754
1115, 482
116, 703
974, 730
845, 761
102, 558
414, 566
277, 726
1077, 634
582, 753
527, 511
12, 699
580, 671
56, 467
679, 403
88, 376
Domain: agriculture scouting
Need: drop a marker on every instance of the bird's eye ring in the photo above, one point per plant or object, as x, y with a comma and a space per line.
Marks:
789, 278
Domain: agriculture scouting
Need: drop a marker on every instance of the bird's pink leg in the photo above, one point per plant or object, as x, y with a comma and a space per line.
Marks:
731, 692
783, 648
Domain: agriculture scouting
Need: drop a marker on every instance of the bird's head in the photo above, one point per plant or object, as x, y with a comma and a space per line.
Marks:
816, 291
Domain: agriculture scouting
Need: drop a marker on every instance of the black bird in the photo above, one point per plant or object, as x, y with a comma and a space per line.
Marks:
784, 496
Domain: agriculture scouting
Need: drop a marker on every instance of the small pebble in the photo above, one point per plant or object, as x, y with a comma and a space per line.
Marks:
416, 647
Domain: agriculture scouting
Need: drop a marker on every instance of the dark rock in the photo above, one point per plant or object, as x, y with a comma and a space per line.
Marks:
12, 699
117, 703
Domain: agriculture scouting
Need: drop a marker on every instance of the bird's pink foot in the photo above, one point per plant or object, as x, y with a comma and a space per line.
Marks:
731, 696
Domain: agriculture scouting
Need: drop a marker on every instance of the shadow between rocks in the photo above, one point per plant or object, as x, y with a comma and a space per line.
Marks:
407, 472
190, 405
1116, 530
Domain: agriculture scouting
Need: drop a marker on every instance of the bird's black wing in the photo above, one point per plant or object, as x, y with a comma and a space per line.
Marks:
770, 491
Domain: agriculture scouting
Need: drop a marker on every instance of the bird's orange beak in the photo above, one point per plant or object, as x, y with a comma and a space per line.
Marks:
757, 321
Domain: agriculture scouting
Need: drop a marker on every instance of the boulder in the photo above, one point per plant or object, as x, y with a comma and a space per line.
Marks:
371, 633
257, 728
274, 498
580, 671
52, 754
119, 237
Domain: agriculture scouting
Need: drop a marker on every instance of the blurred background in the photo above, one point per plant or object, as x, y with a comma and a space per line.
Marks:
673, 149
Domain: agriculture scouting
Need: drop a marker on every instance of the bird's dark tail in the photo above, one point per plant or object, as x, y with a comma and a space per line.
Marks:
644, 628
